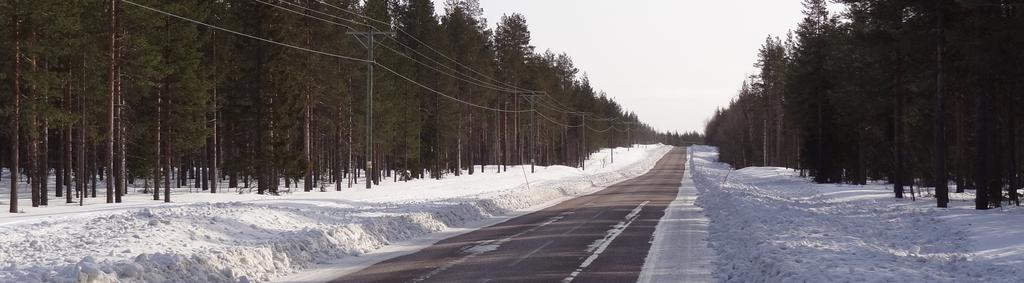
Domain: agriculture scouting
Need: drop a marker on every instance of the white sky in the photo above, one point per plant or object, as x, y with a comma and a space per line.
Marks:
673, 62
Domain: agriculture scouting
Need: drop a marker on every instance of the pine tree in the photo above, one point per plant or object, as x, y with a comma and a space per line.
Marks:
512, 46
813, 100
117, 93
111, 80
882, 74
15, 104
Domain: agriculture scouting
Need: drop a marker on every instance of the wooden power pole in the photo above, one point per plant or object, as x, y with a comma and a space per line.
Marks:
368, 41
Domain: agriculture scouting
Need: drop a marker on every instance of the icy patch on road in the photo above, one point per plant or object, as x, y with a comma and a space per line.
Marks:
482, 249
770, 225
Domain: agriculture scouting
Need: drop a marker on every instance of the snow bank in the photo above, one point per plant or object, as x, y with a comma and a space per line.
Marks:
243, 238
770, 225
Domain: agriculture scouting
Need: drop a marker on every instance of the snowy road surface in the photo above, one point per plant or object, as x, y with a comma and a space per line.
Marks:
601, 237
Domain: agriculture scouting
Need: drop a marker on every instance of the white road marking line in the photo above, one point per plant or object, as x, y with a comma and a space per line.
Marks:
486, 246
601, 244
531, 253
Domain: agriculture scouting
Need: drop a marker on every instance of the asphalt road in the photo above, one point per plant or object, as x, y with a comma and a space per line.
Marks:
602, 237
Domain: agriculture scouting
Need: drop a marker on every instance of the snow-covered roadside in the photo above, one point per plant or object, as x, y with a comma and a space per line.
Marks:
230, 237
770, 225
680, 250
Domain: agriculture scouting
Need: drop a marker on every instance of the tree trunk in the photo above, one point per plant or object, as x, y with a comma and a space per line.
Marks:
32, 166
472, 143
16, 106
120, 178
158, 145
94, 169
338, 168
960, 141
515, 150
110, 102
213, 150
941, 179
506, 154
307, 184
897, 141
351, 166
44, 165
59, 170
68, 148
204, 163
985, 178
80, 174
307, 115
211, 153
167, 165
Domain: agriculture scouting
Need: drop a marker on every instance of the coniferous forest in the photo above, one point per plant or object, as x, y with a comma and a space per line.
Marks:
259, 94
915, 93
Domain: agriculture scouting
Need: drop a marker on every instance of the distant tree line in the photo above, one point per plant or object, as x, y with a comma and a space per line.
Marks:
916, 92
683, 139
161, 94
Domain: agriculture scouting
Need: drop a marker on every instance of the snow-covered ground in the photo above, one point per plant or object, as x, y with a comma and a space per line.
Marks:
770, 225
232, 237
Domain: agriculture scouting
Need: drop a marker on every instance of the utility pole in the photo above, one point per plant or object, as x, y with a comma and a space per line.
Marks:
533, 137
16, 116
629, 142
583, 129
586, 151
368, 41
613, 132
764, 144
110, 106
629, 139
533, 130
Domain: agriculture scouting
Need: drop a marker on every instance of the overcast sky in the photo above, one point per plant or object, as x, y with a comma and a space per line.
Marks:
670, 61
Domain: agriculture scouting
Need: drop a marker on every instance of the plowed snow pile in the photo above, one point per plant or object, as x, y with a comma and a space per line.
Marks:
231, 237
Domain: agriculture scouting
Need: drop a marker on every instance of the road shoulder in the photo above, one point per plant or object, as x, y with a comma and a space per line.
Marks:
680, 251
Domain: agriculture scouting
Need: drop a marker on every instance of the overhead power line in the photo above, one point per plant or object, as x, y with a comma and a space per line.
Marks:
471, 80
568, 110
552, 107
328, 54
302, 14
445, 95
600, 131
478, 82
325, 14
242, 34
491, 87
334, 55
426, 45
556, 122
